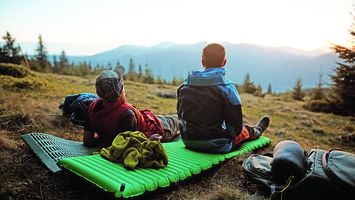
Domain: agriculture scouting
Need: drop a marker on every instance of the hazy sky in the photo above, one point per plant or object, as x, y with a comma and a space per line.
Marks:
91, 26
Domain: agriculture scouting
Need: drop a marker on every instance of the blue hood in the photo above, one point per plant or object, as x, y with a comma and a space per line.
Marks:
212, 76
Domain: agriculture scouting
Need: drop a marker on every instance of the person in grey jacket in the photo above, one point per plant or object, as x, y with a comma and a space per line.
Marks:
209, 108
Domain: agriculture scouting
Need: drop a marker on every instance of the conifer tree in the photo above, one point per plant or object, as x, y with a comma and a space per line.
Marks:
269, 90
3, 57
317, 93
109, 66
258, 91
174, 81
342, 93
90, 66
297, 93
248, 86
9, 53
41, 56
148, 75
98, 69
63, 63
132, 75
140, 72
159, 80
56, 66
84, 70
118, 63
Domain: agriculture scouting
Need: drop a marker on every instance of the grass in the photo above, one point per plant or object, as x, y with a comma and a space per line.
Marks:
24, 111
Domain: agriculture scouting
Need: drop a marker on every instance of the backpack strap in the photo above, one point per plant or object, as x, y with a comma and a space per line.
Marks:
288, 183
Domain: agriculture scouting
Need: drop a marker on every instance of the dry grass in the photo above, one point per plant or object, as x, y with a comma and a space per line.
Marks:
23, 176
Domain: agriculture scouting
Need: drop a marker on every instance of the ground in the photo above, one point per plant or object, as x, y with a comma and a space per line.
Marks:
23, 176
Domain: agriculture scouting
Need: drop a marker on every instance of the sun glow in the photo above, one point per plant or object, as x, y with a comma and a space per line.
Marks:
302, 24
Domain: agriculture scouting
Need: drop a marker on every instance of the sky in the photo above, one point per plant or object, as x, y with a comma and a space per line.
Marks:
87, 27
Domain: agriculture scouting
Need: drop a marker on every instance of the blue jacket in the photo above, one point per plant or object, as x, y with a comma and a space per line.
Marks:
209, 110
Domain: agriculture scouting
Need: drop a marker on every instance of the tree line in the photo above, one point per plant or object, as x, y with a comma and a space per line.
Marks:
340, 99
10, 53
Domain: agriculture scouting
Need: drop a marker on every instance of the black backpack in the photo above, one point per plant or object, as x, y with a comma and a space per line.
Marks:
76, 107
327, 174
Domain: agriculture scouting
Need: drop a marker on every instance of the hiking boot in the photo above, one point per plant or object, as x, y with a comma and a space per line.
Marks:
263, 124
260, 128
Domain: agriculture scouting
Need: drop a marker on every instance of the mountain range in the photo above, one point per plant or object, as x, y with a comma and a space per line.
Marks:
278, 66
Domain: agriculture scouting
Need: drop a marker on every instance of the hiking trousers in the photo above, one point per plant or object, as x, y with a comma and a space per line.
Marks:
170, 125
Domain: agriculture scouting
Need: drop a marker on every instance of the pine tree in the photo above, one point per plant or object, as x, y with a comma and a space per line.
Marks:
297, 93
98, 69
317, 93
258, 91
63, 63
85, 69
109, 66
159, 80
3, 57
174, 81
56, 66
9, 53
248, 86
90, 66
140, 72
342, 93
148, 75
118, 64
132, 75
41, 56
269, 91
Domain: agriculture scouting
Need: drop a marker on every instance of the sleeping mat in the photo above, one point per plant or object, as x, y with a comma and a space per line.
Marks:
119, 182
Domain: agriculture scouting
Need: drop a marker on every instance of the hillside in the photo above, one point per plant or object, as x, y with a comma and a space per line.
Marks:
24, 111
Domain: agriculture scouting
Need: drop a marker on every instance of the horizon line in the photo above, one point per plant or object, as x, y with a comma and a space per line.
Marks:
105, 48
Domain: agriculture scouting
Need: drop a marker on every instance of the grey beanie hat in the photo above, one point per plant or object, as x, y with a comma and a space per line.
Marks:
109, 84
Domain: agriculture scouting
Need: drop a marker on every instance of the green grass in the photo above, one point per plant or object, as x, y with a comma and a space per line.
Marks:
27, 110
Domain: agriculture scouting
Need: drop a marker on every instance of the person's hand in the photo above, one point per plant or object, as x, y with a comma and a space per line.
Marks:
155, 137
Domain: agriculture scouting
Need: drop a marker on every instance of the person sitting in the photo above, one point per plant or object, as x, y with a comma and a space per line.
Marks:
209, 108
110, 114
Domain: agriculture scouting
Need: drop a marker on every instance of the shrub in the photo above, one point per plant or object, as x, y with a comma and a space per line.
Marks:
348, 139
29, 82
348, 127
17, 71
318, 106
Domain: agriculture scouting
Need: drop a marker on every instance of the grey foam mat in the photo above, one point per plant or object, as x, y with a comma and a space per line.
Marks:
51, 149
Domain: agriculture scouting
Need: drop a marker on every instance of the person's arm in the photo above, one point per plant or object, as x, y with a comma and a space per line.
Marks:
233, 112
89, 138
234, 119
127, 121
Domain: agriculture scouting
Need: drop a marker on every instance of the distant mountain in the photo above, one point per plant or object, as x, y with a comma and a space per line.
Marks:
277, 67
280, 67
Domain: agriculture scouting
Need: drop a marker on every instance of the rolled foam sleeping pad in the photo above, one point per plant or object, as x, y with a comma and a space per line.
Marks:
288, 159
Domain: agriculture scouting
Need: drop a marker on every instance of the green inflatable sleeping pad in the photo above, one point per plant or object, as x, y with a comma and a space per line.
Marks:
114, 179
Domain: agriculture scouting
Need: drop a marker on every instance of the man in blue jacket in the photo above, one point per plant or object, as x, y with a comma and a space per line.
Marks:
209, 108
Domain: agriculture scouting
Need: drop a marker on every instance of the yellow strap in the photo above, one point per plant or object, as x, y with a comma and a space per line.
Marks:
288, 183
